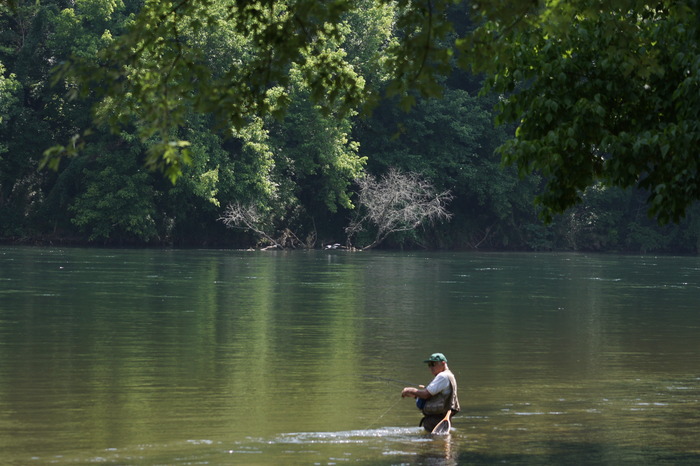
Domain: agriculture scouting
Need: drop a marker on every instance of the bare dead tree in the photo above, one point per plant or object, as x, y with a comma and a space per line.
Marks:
479, 236
396, 202
249, 218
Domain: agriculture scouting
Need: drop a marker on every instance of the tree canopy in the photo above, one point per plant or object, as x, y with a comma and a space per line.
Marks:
282, 106
601, 91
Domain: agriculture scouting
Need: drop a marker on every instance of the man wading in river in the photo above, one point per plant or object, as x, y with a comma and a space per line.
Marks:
439, 397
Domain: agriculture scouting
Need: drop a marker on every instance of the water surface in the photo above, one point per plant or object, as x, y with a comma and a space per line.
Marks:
232, 357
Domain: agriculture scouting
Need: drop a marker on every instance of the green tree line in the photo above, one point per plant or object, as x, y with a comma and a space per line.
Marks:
207, 104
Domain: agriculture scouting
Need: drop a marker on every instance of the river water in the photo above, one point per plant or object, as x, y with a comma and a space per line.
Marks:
236, 357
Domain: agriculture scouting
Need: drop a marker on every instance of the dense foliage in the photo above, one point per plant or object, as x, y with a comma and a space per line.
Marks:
602, 91
263, 104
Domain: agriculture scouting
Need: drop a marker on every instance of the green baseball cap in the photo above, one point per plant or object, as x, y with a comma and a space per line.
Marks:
436, 357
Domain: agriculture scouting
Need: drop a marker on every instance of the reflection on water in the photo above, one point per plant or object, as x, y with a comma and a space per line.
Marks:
226, 357
391, 445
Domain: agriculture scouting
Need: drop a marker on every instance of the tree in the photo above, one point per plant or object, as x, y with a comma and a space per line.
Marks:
37, 117
601, 90
9, 88
301, 166
451, 141
160, 71
8, 98
252, 219
116, 199
397, 202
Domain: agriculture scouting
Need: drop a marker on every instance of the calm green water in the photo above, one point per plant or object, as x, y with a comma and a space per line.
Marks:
231, 357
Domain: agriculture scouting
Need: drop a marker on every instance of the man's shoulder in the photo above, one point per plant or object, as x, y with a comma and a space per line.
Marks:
447, 377
439, 383
444, 374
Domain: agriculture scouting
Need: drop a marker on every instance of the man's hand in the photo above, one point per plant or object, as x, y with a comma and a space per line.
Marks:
419, 392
